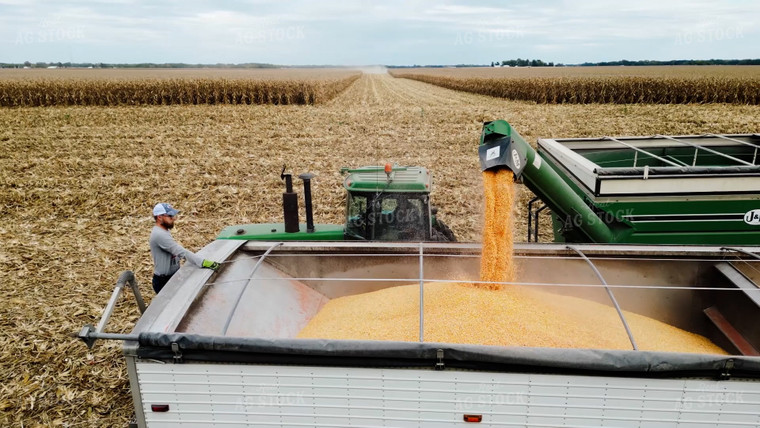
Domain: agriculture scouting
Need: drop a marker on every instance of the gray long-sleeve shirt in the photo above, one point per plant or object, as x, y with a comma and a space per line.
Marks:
167, 252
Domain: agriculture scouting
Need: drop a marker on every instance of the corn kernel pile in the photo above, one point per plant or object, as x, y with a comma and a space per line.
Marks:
514, 316
492, 314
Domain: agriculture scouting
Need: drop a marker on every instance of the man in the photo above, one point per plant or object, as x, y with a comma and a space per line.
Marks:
166, 251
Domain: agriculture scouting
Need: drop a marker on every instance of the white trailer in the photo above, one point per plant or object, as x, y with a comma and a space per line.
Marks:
219, 349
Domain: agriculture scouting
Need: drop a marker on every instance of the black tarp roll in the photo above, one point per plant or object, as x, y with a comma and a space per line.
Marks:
356, 353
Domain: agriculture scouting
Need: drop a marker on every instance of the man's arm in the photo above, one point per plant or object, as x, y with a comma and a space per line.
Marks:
168, 244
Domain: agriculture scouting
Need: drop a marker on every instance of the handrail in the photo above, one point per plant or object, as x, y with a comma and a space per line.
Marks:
90, 334
612, 296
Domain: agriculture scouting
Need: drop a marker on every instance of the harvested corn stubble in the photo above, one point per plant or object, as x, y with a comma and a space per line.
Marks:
513, 316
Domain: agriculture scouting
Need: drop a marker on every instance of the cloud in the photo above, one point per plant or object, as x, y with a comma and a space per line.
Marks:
365, 31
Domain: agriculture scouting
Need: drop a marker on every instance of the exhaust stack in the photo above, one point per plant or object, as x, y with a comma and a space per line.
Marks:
289, 203
306, 177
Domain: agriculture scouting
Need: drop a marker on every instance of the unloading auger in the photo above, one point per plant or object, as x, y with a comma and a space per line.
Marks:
501, 146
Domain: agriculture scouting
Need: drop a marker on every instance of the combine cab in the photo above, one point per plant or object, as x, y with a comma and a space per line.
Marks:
392, 204
384, 203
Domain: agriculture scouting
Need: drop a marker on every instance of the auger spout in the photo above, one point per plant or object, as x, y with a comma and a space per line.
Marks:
503, 147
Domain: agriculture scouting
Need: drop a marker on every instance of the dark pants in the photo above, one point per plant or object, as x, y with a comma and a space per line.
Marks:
159, 281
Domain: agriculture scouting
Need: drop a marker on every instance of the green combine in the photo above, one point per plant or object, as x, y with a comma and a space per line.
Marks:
648, 190
383, 203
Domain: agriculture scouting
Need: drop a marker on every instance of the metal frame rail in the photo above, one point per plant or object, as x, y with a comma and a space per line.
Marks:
754, 156
612, 296
240, 296
640, 150
697, 147
90, 334
739, 250
422, 294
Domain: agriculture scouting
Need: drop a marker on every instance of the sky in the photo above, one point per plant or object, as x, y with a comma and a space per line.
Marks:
363, 32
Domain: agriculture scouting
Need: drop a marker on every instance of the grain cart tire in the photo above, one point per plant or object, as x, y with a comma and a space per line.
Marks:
443, 233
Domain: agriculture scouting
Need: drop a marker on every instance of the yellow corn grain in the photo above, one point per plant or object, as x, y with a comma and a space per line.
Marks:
490, 314
513, 316
496, 259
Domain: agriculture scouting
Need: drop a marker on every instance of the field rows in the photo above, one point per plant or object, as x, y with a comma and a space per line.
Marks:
77, 184
64, 88
733, 85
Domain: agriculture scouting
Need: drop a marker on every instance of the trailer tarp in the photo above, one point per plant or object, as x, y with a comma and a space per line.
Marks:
355, 353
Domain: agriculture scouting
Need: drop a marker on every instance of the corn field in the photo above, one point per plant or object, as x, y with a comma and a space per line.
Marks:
182, 91
606, 90
77, 186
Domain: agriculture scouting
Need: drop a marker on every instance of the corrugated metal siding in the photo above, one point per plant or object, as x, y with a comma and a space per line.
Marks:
217, 395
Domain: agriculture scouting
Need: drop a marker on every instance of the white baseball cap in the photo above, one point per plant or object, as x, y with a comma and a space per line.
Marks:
164, 208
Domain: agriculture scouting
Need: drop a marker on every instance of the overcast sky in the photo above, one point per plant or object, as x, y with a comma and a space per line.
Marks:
367, 32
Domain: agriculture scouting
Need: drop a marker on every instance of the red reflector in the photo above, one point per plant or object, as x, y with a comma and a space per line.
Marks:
159, 407
473, 418
388, 168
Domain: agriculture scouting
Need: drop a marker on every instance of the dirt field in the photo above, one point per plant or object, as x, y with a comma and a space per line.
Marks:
77, 185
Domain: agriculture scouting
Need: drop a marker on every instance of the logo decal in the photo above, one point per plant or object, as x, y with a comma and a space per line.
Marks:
752, 217
516, 159
493, 153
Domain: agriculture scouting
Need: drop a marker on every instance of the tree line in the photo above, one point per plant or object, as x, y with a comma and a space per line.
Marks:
29, 64
539, 63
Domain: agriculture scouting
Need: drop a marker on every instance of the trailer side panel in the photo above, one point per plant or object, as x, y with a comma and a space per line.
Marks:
224, 395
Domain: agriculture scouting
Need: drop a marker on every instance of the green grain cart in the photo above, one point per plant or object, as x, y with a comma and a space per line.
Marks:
661, 189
